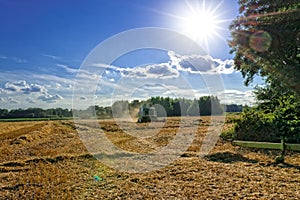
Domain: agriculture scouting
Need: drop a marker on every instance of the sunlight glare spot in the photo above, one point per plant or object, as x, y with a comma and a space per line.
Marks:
200, 25
203, 23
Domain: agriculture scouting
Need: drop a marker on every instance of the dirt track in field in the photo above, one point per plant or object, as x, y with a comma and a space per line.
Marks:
47, 160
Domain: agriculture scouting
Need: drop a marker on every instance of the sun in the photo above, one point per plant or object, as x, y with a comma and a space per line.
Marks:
200, 25
201, 22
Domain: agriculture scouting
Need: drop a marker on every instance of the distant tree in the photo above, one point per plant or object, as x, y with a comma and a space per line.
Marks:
3, 113
233, 108
135, 103
176, 105
166, 103
180, 106
193, 110
108, 111
216, 107
205, 105
210, 105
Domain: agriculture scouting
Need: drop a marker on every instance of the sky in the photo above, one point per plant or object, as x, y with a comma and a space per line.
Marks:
51, 56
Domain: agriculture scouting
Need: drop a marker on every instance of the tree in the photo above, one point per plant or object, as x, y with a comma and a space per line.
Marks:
166, 103
205, 105
216, 107
266, 42
193, 110
3, 113
233, 108
210, 105
180, 106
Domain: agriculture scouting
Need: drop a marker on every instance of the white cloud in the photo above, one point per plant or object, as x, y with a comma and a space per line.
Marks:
35, 88
109, 67
161, 71
202, 64
191, 63
67, 68
57, 86
194, 64
32, 92
156, 71
23, 86
234, 92
2, 90
237, 97
224, 67
15, 86
50, 98
12, 100
47, 78
87, 76
31, 87
29, 100
52, 56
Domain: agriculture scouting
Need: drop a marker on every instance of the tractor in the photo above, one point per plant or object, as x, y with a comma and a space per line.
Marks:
147, 113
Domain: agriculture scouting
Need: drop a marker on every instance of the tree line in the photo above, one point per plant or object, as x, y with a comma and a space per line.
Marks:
165, 106
206, 105
35, 113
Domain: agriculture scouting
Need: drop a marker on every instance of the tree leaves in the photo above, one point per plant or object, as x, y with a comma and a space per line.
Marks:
265, 40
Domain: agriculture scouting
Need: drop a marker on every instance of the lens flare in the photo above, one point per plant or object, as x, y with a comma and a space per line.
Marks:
260, 41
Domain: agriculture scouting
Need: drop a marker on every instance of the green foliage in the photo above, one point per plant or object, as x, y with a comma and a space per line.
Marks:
35, 113
166, 103
255, 125
228, 134
287, 117
210, 105
268, 125
206, 105
279, 159
35, 119
265, 40
233, 108
3, 113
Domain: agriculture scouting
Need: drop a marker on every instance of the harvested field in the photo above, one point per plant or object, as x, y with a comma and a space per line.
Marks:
47, 160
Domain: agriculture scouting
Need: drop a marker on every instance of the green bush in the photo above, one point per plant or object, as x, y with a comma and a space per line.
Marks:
287, 118
257, 124
228, 134
254, 125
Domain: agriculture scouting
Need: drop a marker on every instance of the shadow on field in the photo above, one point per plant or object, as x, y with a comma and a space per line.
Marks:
228, 157
287, 165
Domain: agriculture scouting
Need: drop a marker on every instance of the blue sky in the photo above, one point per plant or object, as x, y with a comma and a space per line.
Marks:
44, 43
